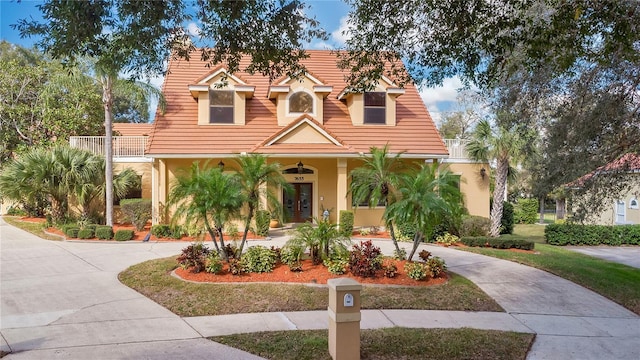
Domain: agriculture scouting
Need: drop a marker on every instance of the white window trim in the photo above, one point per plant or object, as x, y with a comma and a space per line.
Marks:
624, 213
633, 203
295, 114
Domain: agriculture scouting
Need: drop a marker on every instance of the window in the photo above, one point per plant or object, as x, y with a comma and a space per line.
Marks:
221, 106
374, 108
633, 203
620, 215
300, 102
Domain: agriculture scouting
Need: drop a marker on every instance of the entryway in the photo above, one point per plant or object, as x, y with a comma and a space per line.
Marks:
298, 204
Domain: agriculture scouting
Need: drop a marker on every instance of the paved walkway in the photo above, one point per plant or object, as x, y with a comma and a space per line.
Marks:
628, 255
63, 300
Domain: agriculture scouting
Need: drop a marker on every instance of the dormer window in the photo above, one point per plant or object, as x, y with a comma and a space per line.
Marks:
301, 102
221, 106
374, 108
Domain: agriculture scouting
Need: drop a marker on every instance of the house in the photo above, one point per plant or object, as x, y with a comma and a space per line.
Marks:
625, 208
313, 127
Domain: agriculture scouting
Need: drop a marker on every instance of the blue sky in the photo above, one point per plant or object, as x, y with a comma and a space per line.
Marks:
332, 15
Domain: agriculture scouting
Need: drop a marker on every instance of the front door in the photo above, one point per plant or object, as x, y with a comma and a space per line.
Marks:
298, 203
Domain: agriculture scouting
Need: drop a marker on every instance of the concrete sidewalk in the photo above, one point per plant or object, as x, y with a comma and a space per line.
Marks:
628, 255
63, 300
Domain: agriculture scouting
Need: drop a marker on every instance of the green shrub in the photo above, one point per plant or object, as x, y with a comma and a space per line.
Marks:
123, 235
346, 223
389, 269
176, 232
507, 221
194, 255
15, 211
498, 243
365, 259
259, 259
400, 255
447, 239
262, 222
576, 234
213, 263
136, 211
475, 226
85, 233
72, 231
435, 267
336, 266
104, 232
405, 231
161, 231
525, 211
416, 271
291, 254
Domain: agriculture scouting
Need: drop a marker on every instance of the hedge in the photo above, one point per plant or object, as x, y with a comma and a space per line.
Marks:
526, 211
86, 233
262, 222
137, 211
71, 231
123, 235
104, 232
346, 223
576, 234
498, 243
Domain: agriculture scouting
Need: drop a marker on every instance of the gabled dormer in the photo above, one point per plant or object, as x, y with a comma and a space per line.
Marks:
375, 107
221, 98
297, 97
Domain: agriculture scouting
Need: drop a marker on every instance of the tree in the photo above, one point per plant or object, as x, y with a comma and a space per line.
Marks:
258, 179
427, 196
376, 181
136, 37
207, 196
506, 147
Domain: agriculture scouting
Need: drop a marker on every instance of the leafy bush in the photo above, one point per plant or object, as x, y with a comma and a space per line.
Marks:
194, 255
346, 223
390, 269
262, 222
235, 266
405, 231
259, 259
85, 233
525, 211
137, 211
123, 235
336, 266
72, 231
365, 231
104, 232
231, 251
475, 226
365, 259
435, 266
576, 234
232, 231
424, 255
213, 263
399, 255
176, 232
507, 221
416, 271
447, 239
498, 243
15, 211
161, 231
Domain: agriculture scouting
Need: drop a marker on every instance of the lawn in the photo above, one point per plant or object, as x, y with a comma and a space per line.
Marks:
390, 343
618, 282
153, 279
35, 228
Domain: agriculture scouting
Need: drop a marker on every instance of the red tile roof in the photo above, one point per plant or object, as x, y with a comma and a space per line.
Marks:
177, 131
627, 163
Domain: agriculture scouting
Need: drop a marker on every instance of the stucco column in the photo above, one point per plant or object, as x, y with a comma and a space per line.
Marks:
341, 202
154, 192
162, 190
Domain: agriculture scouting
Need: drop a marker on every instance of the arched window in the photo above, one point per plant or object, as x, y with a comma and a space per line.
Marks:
300, 102
633, 203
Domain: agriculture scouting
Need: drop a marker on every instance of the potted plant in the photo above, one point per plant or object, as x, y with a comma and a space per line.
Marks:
275, 218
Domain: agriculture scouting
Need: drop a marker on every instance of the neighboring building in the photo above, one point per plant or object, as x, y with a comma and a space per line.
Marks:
624, 209
313, 127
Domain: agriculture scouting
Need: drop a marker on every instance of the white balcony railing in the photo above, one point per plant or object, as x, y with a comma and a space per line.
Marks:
456, 148
123, 146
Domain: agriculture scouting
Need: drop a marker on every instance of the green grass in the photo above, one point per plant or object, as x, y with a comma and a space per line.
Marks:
533, 232
153, 279
31, 227
390, 343
618, 282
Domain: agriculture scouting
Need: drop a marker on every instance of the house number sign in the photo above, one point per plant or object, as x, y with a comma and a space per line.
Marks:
299, 178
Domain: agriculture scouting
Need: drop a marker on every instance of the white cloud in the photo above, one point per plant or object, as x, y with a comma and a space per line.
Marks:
337, 35
447, 92
193, 29
321, 45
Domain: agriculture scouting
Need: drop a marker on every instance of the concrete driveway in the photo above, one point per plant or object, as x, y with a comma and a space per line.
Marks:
628, 255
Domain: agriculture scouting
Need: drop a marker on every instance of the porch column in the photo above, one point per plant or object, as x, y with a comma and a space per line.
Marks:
342, 188
154, 192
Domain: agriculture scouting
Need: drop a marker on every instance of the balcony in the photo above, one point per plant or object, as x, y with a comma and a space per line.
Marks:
124, 147
456, 149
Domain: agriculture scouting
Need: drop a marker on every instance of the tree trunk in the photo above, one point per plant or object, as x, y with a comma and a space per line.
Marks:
560, 209
393, 236
247, 224
542, 210
498, 196
107, 102
417, 239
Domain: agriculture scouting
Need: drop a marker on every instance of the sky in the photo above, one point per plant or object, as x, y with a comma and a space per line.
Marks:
332, 15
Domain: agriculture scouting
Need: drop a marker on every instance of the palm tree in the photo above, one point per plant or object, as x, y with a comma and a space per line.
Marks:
376, 182
427, 196
209, 197
258, 178
504, 146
